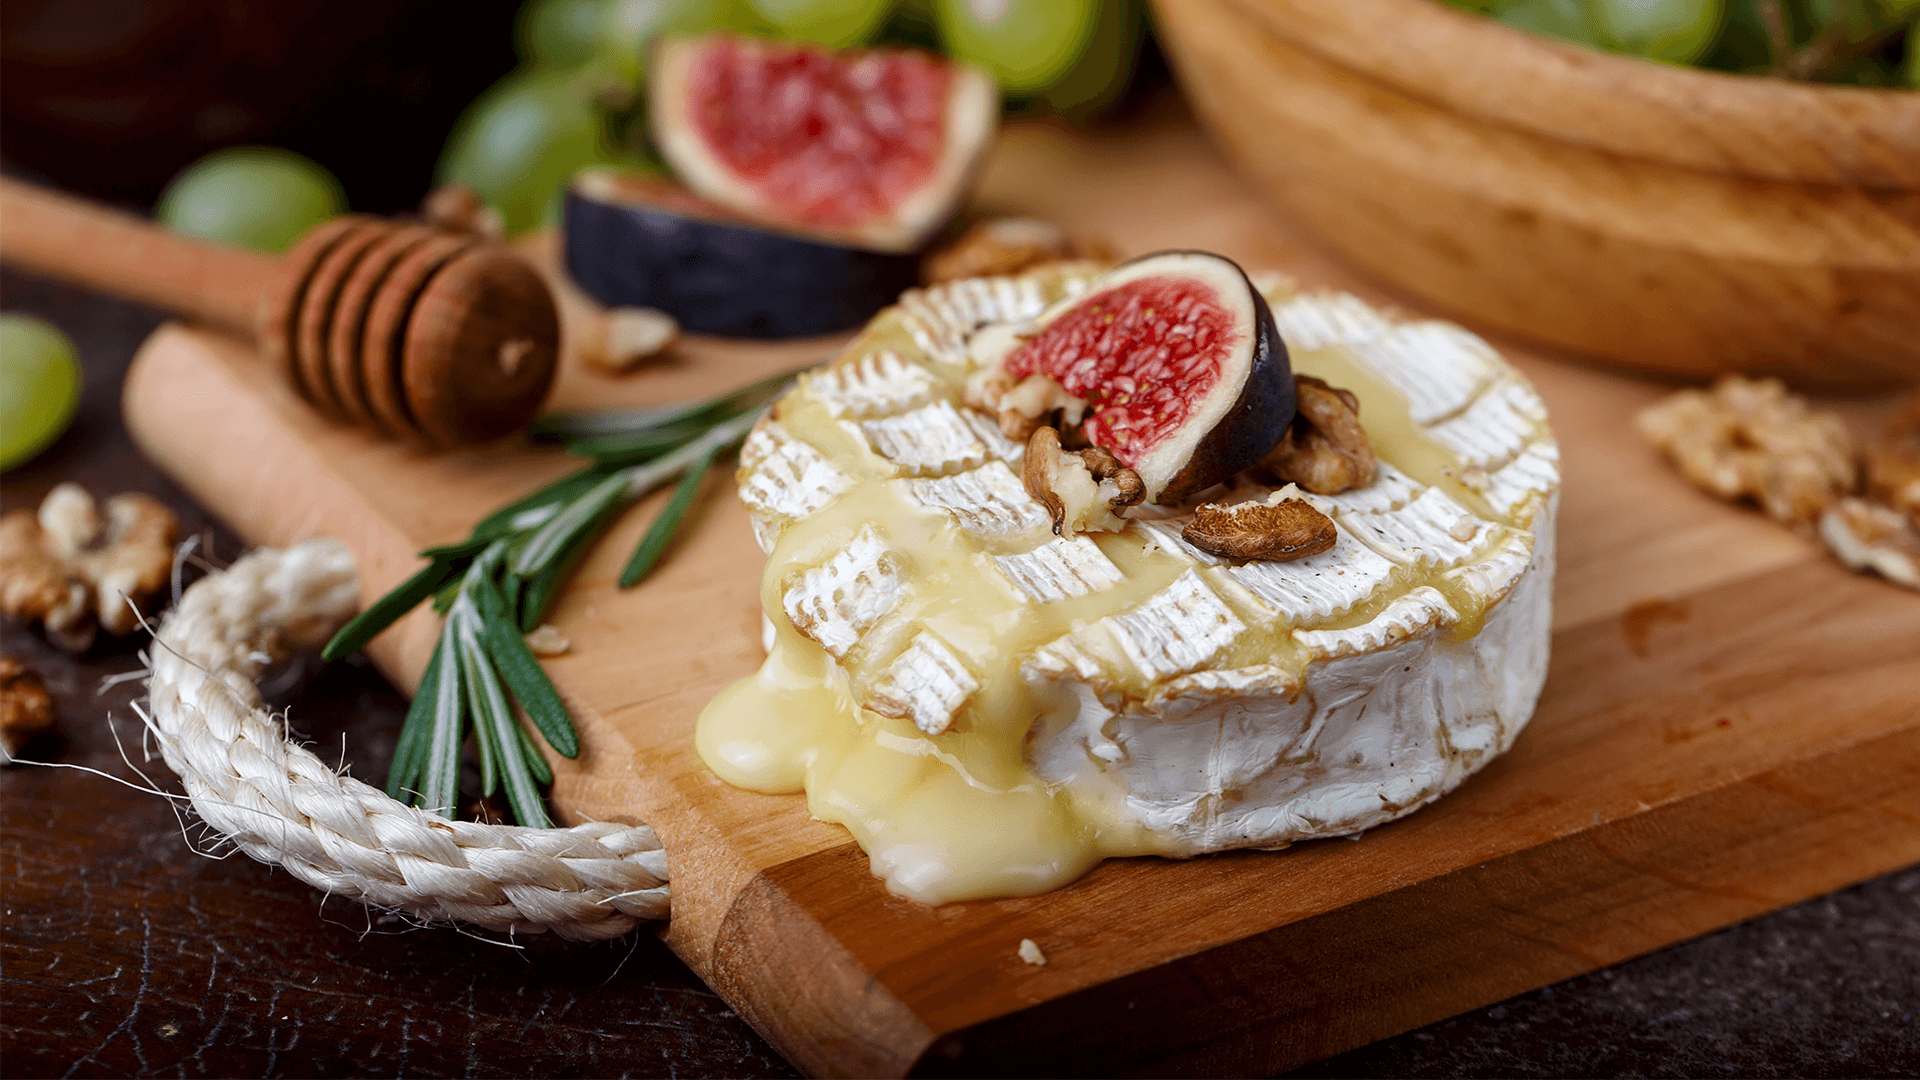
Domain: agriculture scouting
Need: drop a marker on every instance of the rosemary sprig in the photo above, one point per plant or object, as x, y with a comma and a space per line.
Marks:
496, 585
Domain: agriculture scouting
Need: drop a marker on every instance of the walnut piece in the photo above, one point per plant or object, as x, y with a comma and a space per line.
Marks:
619, 339
1750, 438
26, 709
1893, 464
67, 569
1275, 531
456, 207
1004, 245
1082, 490
1023, 406
1325, 451
1868, 536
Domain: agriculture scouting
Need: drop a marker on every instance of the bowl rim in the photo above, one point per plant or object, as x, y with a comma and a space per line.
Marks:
1754, 126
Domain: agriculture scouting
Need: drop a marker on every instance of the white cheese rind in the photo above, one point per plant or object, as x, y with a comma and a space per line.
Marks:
989, 502
1318, 587
783, 480
1495, 428
930, 441
837, 602
1438, 367
1256, 758
877, 384
1063, 568
926, 684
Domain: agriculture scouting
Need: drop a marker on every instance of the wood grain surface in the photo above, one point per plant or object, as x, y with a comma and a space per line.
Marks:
1729, 725
1664, 218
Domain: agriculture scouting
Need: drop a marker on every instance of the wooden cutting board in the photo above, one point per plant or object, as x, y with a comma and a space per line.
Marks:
1731, 724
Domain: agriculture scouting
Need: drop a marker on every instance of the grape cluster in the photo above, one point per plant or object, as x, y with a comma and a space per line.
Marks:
1857, 42
576, 99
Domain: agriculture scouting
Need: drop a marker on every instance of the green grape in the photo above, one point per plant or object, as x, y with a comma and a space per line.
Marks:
520, 143
559, 33
1913, 56
1673, 31
631, 24
1106, 67
39, 387
839, 24
253, 196
1027, 45
1569, 20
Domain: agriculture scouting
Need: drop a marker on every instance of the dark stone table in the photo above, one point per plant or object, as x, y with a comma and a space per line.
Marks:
133, 944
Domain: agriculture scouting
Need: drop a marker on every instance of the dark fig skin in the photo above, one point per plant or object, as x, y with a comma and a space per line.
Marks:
1259, 416
725, 277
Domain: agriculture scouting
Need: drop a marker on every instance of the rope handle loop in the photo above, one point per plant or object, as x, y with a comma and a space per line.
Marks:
282, 805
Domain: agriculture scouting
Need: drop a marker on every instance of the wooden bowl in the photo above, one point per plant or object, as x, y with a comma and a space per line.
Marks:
1669, 219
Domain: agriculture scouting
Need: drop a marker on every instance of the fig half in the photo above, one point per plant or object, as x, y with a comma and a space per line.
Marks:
873, 147
1171, 362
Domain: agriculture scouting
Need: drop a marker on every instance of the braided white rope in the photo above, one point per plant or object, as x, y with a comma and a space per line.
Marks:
280, 804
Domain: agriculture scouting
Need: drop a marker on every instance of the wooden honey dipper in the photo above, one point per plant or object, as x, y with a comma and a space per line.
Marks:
409, 330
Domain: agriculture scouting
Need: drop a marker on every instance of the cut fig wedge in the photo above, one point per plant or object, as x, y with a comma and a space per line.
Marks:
1171, 362
874, 147
635, 240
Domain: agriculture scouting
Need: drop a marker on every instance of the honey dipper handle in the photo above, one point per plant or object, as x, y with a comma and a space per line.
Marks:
77, 241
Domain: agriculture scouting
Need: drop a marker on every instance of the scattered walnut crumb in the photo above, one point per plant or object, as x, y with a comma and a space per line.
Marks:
1081, 490
1750, 438
547, 640
1325, 450
66, 569
1005, 245
1030, 952
26, 708
620, 338
1279, 531
456, 207
1867, 536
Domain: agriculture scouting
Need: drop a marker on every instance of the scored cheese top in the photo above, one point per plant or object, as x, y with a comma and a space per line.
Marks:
991, 709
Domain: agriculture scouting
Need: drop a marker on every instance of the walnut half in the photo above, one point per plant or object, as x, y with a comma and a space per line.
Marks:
1277, 531
1082, 490
64, 568
1750, 438
1325, 451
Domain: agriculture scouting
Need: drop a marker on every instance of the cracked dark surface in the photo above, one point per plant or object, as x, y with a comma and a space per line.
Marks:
125, 952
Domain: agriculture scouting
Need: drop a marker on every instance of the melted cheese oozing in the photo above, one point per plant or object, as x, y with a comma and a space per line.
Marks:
926, 622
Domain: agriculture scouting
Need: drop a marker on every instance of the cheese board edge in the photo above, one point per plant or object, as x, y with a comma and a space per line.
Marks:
895, 1030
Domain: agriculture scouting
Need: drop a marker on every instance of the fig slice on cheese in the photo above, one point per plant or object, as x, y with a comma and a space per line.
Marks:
1171, 362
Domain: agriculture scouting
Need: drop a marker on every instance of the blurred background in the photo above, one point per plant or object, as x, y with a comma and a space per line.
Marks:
112, 98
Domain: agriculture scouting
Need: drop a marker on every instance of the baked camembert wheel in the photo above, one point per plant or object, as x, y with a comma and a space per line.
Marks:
991, 703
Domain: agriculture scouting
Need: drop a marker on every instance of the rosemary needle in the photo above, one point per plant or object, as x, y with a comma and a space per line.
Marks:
496, 584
